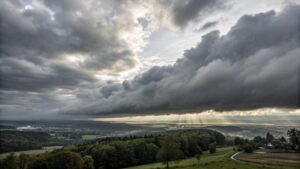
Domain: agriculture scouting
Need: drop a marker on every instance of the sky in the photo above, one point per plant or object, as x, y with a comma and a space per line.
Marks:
94, 59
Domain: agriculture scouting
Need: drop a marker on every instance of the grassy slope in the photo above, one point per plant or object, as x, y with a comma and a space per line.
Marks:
220, 160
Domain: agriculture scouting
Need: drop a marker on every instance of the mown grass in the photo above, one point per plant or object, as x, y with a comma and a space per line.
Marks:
220, 160
206, 157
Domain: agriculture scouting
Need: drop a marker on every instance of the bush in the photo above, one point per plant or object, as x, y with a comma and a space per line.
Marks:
212, 148
88, 162
248, 148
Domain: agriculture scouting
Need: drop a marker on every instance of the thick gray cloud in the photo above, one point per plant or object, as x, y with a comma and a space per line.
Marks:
182, 13
54, 49
56, 57
109, 89
256, 64
44, 35
25, 76
76, 28
207, 25
185, 11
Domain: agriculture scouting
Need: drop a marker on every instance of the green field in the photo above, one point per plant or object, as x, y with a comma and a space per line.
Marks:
220, 160
89, 137
32, 152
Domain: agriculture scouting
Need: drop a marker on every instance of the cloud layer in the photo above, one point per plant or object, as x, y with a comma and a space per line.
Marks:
56, 57
255, 65
52, 49
46, 41
181, 13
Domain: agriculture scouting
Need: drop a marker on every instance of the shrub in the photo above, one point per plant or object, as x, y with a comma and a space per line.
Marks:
212, 148
248, 148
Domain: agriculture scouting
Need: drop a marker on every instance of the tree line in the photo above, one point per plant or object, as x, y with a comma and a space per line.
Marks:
270, 142
119, 153
25, 140
112, 153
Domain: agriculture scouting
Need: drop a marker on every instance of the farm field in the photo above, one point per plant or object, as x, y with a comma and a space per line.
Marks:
214, 161
292, 159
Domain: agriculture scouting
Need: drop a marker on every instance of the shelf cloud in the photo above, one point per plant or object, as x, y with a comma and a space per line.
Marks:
83, 58
256, 64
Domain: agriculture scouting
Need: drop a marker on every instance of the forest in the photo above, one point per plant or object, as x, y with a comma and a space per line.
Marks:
122, 152
20, 140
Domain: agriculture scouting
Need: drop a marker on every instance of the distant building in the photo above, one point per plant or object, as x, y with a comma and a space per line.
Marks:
270, 146
276, 143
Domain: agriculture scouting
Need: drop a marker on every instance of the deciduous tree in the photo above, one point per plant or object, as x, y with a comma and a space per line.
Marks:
170, 150
88, 162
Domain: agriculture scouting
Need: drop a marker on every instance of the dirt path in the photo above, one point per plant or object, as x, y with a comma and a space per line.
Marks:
289, 159
233, 156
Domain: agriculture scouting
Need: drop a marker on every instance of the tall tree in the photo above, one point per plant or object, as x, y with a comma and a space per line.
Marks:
294, 137
88, 162
105, 156
64, 160
238, 141
258, 139
212, 148
169, 151
269, 137
38, 163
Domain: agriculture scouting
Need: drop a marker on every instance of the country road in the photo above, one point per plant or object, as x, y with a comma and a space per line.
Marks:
235, 154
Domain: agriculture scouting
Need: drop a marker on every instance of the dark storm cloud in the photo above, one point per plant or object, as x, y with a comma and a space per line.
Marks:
109, 89
207, 25
255, 65
184, 12
25, 76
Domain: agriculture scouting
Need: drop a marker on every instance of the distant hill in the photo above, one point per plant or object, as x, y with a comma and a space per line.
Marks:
24, 140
